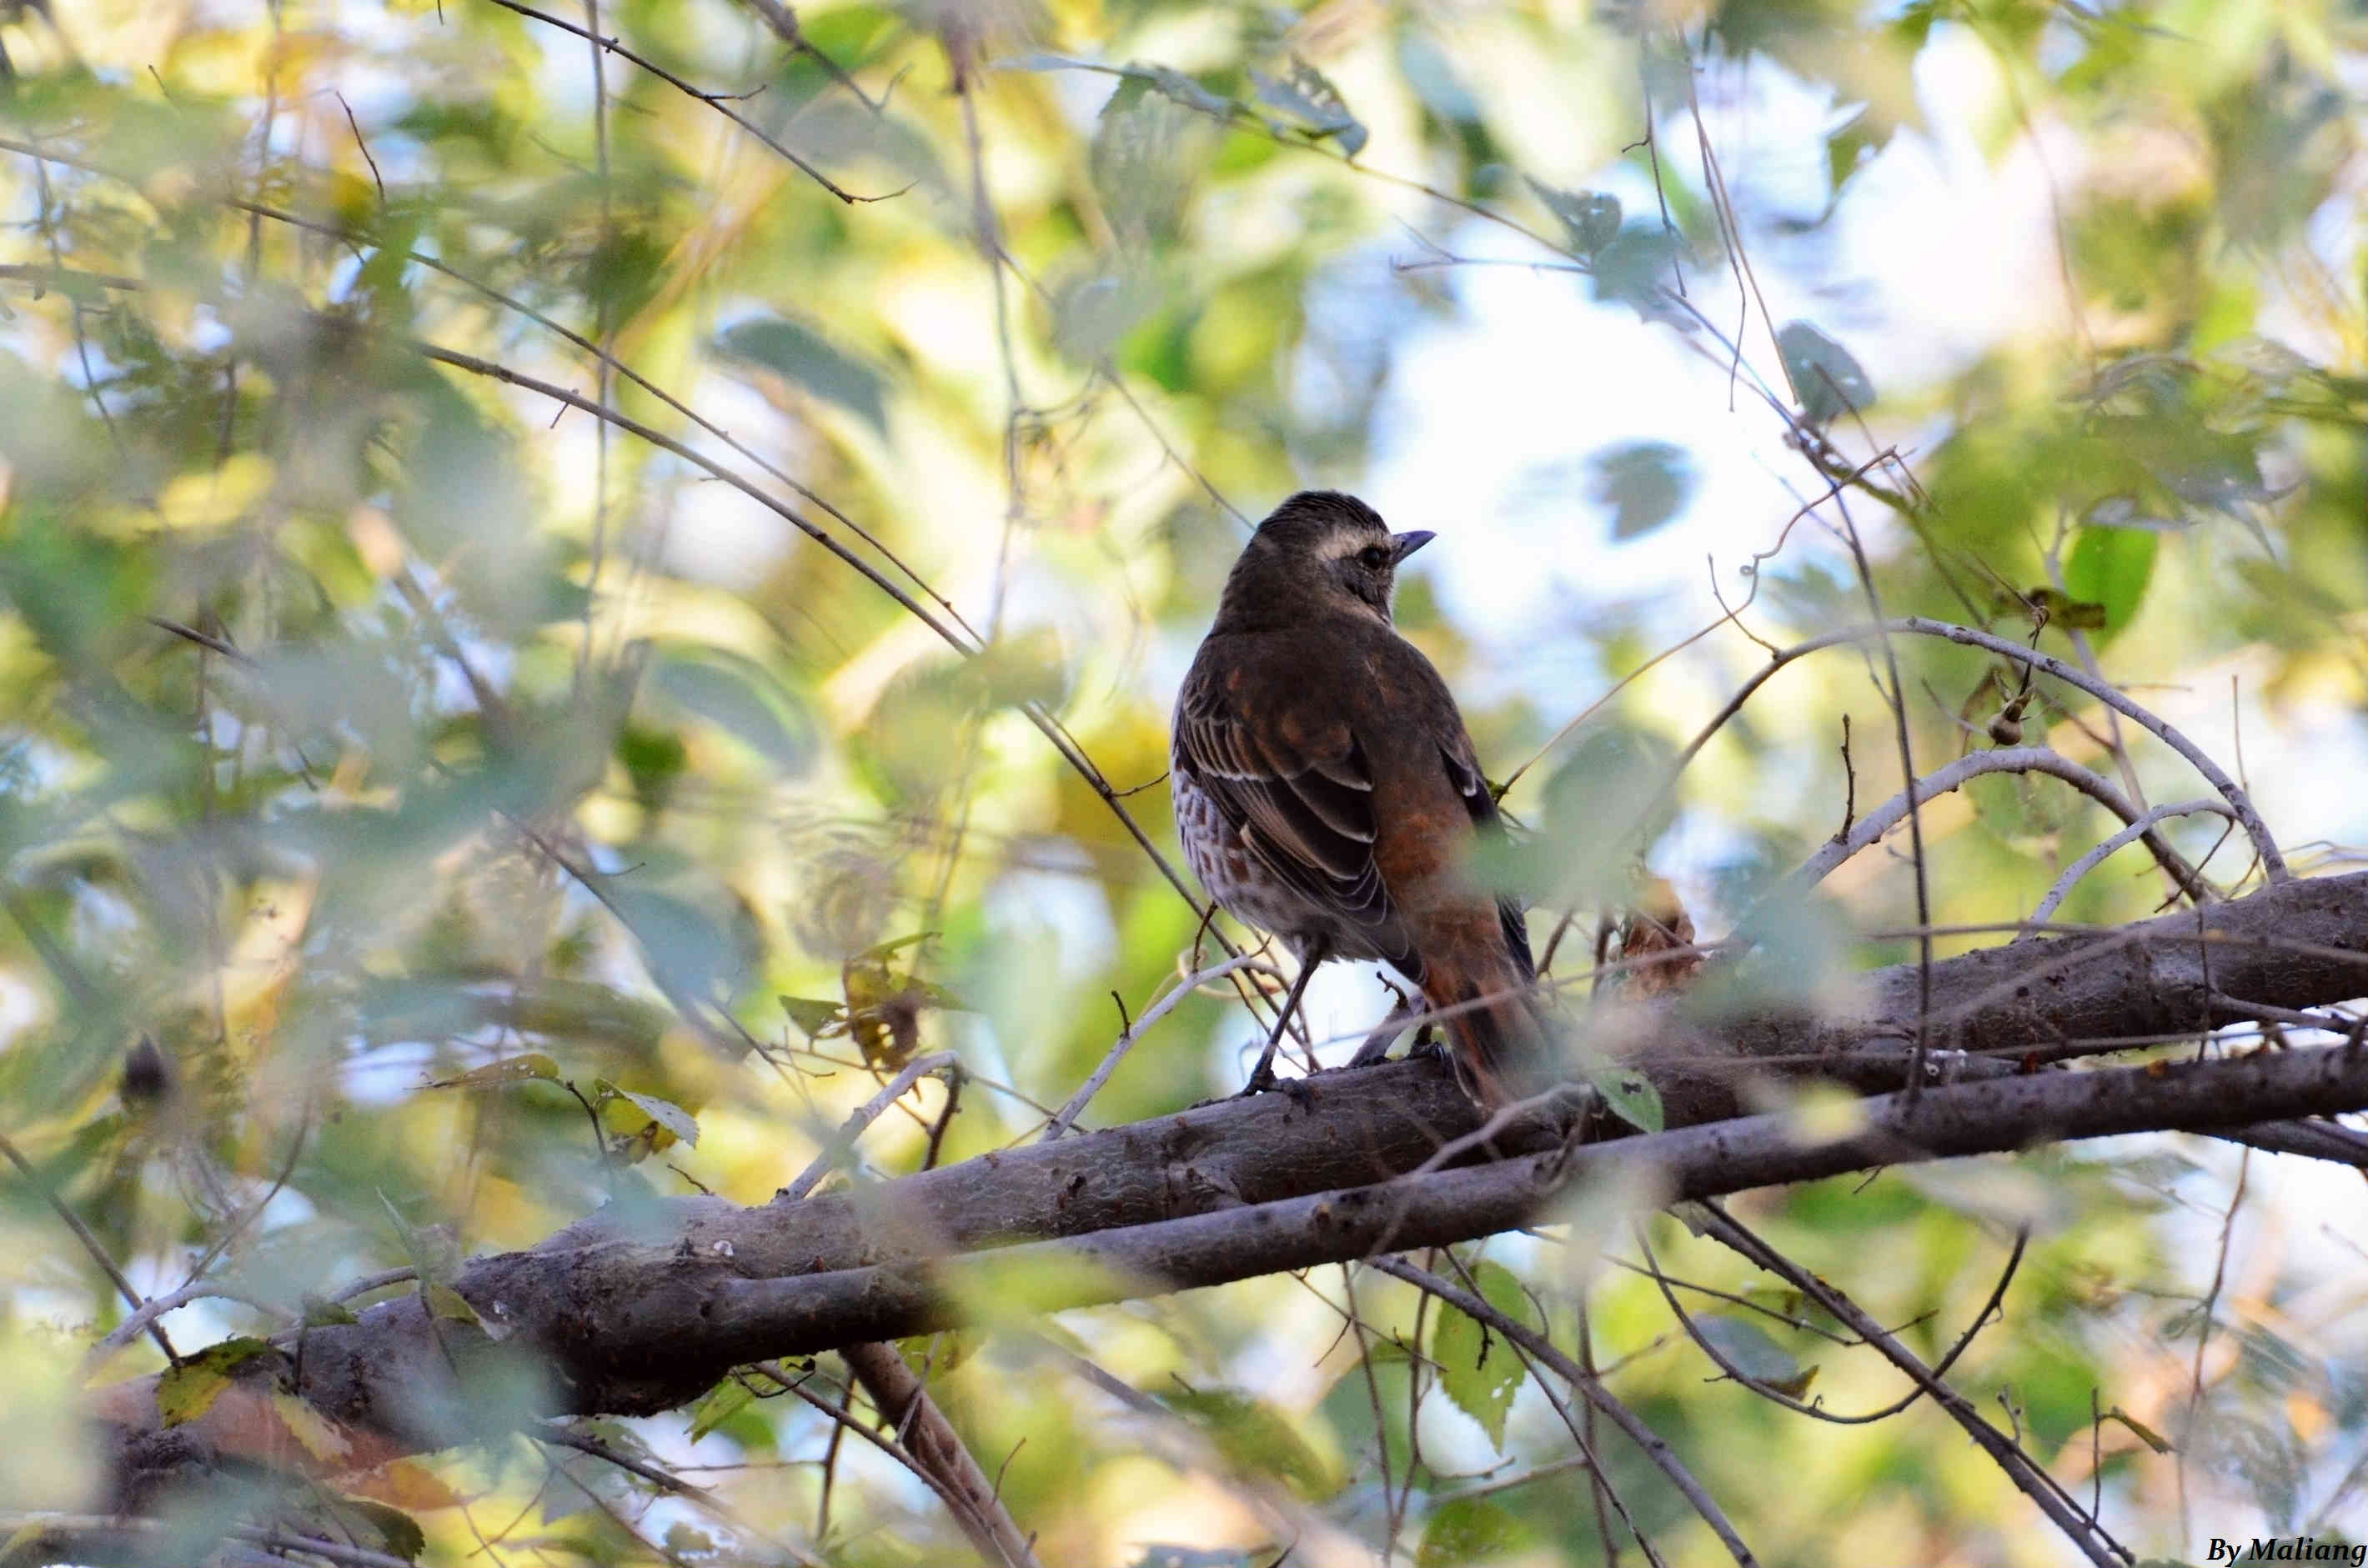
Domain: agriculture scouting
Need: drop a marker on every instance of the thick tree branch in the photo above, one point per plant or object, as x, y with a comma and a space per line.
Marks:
638, 1312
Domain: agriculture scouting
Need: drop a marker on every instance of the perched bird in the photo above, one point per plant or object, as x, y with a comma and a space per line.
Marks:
1326, 789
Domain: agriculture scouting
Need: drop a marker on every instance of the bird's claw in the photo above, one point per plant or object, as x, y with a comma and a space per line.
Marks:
1299, 1090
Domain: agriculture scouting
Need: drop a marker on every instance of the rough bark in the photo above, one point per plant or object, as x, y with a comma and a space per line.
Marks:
633, 1312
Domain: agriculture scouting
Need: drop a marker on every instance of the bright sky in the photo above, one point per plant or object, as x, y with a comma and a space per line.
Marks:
1491, 416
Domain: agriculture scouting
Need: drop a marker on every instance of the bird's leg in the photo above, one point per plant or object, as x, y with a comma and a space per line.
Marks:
1262, 1076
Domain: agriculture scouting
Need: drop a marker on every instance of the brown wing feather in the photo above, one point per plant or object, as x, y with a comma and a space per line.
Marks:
1300, 795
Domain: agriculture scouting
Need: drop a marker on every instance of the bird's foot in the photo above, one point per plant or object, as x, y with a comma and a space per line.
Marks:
1299, 1090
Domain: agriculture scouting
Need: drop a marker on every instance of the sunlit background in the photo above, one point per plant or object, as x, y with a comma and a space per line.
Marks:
541, 739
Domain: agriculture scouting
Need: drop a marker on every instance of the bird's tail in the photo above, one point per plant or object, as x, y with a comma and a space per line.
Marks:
1499, 1030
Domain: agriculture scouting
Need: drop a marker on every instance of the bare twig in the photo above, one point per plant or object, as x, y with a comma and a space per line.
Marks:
719, 102
2084, 1531
90, 1243
1135, 1031
864, 1116
1653, 1446
2140, 827
2273, 862
1869, 828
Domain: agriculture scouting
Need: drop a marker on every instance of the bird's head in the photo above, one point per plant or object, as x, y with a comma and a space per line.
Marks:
1320, 551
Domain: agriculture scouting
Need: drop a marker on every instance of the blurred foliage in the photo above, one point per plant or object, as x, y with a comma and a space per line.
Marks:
427, 811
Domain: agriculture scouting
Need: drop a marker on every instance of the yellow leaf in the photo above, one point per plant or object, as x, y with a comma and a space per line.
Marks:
189, 1391
313, 1432
445, 1303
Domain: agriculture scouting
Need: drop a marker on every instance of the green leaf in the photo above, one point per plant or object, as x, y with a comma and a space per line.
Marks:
1851, 146
1645, 483
189, 1391
720, 1404
2145, 1433
535, 1066
445, 1303
1043, 60
1166, 1555
1629, 1094
1604, 807
1823, 376
1636, 267
1173, 83
1255, 1438
641, 1125
2111, 566
688, 949
1469, 1529
1147, 150
2122, 511
804, 359
322, 1312
880, 950
1590, 218
1747, 1347
655, 760
2063, 610
810, 1014
398, 1533
381, 276
1309, 96
741, 696
1477, 1368
313, 1432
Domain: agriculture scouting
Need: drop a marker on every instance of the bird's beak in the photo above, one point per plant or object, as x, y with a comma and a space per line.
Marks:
1406, 544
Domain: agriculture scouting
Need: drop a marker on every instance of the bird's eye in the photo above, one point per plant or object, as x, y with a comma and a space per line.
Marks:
1376, 556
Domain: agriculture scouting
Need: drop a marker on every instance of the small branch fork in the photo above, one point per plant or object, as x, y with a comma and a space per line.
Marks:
1654, 1447
1870, 829
2079, 1526
2240, 805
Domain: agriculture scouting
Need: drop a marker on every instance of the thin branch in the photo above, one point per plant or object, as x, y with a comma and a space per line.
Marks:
864, 1116
133, 1327
1871, 828
672, 1485
716, 101
843, 1417
1815, 1408
1160, 1009
2140, 827
2083, 1530
1653, 1446
898, 1394
90, 1243
785, 23
2273, 862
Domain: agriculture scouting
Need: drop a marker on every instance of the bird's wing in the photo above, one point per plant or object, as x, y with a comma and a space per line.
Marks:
1300, 792
1464, 770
